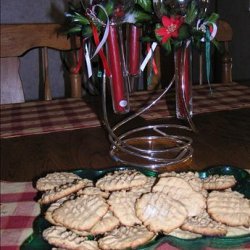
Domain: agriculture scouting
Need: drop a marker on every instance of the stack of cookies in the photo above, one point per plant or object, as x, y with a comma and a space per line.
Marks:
125, 209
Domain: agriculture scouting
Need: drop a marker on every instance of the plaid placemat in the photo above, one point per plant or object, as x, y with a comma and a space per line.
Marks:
45, 117
223, 97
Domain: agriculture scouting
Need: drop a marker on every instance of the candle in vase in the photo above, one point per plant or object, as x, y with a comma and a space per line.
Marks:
118, 87
134, 49
183, 82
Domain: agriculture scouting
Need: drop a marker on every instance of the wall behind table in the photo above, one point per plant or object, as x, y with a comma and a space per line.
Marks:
35, 11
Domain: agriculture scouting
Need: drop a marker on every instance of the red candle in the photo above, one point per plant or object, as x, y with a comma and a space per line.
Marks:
134, 49
184, 85
120, 101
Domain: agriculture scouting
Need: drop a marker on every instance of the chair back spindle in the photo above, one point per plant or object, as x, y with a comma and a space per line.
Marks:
45, 74
225, 35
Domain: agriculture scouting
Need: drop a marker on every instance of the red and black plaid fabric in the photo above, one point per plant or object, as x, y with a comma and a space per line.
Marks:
70, 114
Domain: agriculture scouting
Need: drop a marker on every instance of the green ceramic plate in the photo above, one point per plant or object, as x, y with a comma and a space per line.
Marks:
35, 241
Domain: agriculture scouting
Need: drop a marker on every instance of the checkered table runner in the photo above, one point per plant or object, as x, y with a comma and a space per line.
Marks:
69, 114
224, 97
18, 212
46, 116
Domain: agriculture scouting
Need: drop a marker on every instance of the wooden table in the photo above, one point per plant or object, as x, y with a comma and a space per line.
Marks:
223, 138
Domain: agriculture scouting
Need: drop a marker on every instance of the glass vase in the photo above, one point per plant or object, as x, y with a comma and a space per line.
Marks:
183, 82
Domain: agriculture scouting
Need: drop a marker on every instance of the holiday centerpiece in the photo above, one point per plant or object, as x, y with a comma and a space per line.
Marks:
177, 26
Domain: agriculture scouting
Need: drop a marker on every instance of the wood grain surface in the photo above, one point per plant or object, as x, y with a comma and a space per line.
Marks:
16, 39
222, 138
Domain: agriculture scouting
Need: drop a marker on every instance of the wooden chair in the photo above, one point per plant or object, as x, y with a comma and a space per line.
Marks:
17, 40
224, 36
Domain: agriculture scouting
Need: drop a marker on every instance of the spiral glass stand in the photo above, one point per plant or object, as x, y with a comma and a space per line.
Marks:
151, 146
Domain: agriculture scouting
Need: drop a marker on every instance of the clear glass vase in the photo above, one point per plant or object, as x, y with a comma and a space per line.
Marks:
183, 82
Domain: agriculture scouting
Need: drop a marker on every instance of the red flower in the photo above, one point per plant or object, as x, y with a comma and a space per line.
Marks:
170, 27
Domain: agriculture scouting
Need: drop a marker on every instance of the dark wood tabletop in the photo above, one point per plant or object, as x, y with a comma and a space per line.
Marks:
222, 138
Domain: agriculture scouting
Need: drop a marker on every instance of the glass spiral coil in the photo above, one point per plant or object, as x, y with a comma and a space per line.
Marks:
148, 146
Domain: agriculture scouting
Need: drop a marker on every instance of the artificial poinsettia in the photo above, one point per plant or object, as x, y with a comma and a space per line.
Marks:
171, 26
